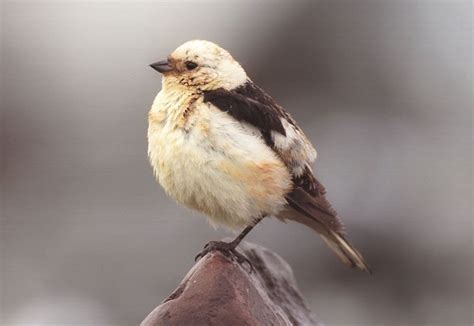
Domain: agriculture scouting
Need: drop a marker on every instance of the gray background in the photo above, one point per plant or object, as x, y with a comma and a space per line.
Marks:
383, 88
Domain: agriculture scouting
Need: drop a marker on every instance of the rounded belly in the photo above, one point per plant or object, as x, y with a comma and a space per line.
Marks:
232, 179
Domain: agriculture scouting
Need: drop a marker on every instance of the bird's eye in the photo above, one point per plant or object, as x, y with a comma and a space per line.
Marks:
190, 65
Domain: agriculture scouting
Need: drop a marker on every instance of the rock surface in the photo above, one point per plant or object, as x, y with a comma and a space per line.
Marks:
218, 291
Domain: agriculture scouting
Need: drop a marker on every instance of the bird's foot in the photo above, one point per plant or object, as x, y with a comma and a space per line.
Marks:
228, 249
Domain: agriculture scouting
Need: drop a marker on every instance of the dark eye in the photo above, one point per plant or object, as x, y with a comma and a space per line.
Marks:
190, 65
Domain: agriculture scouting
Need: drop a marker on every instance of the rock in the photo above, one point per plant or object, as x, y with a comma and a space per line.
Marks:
218, 291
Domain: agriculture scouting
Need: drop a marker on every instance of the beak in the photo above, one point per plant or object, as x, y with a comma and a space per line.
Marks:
162, 66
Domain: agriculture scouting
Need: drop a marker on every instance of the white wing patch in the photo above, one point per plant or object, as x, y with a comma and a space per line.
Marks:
294, 148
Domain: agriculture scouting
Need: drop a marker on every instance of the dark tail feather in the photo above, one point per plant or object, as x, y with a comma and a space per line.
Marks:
323, 220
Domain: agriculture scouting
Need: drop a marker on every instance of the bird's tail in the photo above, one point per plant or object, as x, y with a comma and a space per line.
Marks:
308, 211
345, 251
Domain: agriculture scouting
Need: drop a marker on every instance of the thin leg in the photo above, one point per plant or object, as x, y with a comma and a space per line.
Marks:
244, 232
228, 248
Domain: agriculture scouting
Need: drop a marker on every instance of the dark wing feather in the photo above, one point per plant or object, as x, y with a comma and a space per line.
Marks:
246, 109
307, 199
316, 207
251, 104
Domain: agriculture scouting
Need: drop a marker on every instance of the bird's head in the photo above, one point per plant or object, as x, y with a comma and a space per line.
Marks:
201, 65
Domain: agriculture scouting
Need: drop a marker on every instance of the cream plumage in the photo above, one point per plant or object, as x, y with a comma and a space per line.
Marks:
214, 164
220, 145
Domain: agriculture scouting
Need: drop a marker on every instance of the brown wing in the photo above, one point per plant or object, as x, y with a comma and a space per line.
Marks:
307, 203
248, 103
251, 104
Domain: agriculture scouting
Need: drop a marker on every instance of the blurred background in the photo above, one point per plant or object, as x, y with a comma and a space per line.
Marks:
383, 89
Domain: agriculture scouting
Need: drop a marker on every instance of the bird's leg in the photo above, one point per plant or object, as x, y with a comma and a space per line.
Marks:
229, 248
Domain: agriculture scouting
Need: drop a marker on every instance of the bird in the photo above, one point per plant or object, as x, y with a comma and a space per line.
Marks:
220, 145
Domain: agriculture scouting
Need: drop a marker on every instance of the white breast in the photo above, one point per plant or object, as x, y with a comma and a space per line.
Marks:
214, 164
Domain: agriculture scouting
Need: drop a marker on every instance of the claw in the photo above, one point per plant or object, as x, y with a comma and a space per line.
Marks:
227, 249
198, 256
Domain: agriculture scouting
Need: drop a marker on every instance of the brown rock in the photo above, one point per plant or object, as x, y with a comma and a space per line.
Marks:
218, 291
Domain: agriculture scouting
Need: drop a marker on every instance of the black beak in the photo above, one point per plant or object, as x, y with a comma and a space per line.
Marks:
162, 66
